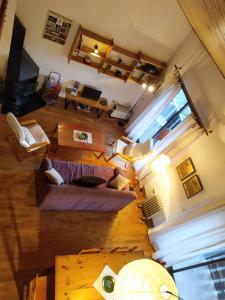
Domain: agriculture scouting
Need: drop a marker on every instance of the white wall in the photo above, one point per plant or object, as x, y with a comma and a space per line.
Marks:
127, 22
207, 88
5, 40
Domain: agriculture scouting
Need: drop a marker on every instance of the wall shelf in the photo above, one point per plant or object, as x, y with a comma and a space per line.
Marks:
113, 59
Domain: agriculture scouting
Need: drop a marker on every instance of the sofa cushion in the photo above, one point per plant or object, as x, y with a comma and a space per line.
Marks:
72, 171
54, 176
90, 181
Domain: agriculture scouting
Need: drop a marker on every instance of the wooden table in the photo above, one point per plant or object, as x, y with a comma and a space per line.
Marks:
65, 138
92, 103
75, 274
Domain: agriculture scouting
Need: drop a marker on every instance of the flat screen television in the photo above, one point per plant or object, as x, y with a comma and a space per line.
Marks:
91, 93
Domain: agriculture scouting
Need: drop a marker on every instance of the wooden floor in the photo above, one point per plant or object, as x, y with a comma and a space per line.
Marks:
29, 238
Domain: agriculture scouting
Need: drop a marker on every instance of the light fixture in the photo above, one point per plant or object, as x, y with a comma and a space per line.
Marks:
96, 52
144, 85
151, 88
165, 159
96, 49
159, 165
144, 279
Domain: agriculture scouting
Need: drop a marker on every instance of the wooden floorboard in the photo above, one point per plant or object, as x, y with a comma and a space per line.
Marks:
29, 238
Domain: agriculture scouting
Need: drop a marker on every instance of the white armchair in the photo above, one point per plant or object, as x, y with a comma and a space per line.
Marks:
130, 151
29, 134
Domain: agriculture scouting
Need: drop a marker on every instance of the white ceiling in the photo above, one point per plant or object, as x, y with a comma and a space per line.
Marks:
155, 27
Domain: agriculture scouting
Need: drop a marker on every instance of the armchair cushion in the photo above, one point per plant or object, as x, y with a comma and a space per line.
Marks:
28, 136
38, 134
141, 150
129, 150
119, 146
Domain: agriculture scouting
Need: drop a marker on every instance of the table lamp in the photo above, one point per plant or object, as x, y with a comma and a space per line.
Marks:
144, 279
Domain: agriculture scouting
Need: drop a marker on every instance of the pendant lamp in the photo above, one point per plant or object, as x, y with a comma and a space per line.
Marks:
144, 279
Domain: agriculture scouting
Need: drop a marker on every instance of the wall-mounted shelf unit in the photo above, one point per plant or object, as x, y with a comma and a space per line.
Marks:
102, 54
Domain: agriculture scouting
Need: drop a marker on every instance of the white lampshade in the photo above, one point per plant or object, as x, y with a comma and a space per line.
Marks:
159, 164
164, 159
144, 279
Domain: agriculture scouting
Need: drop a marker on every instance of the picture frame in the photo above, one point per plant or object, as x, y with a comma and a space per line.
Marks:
192, 186
57, 28
186, 168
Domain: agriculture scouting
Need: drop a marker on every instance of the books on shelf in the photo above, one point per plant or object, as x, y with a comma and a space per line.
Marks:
75, 88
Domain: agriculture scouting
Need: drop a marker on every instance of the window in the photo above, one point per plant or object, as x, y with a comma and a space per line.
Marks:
204, 277
172, 115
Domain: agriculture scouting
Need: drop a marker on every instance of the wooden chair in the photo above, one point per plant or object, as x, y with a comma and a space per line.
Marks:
29, 134
41, 287
130, 151
124, 249
90, 251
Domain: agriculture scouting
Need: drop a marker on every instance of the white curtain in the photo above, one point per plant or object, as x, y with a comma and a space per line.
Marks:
195, 233
161, 99
185, 129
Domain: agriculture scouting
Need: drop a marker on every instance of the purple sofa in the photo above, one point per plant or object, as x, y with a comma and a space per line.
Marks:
69, 196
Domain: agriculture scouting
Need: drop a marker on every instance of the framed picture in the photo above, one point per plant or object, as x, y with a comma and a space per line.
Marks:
186, 169
192, 186
57, 28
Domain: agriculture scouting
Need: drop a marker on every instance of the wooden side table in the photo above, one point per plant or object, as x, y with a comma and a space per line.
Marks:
81, 100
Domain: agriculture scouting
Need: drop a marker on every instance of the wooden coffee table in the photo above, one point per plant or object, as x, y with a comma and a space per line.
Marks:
65, 138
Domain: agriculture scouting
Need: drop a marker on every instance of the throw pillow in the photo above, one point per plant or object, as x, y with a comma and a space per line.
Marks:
89, 181
119, 171
118, 182
54, 176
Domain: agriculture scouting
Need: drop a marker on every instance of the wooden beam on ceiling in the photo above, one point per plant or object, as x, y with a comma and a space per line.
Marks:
207, 18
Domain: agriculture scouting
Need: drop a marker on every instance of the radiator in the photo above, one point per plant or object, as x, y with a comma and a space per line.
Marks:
153, 209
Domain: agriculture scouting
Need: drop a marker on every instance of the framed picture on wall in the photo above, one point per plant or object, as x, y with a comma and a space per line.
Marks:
185, 169
192, 186
57, 28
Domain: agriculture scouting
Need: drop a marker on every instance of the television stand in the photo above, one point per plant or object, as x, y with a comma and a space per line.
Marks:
85, 101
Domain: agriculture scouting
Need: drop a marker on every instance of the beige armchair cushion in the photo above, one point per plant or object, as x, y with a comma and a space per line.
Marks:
17, 129
129, 150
